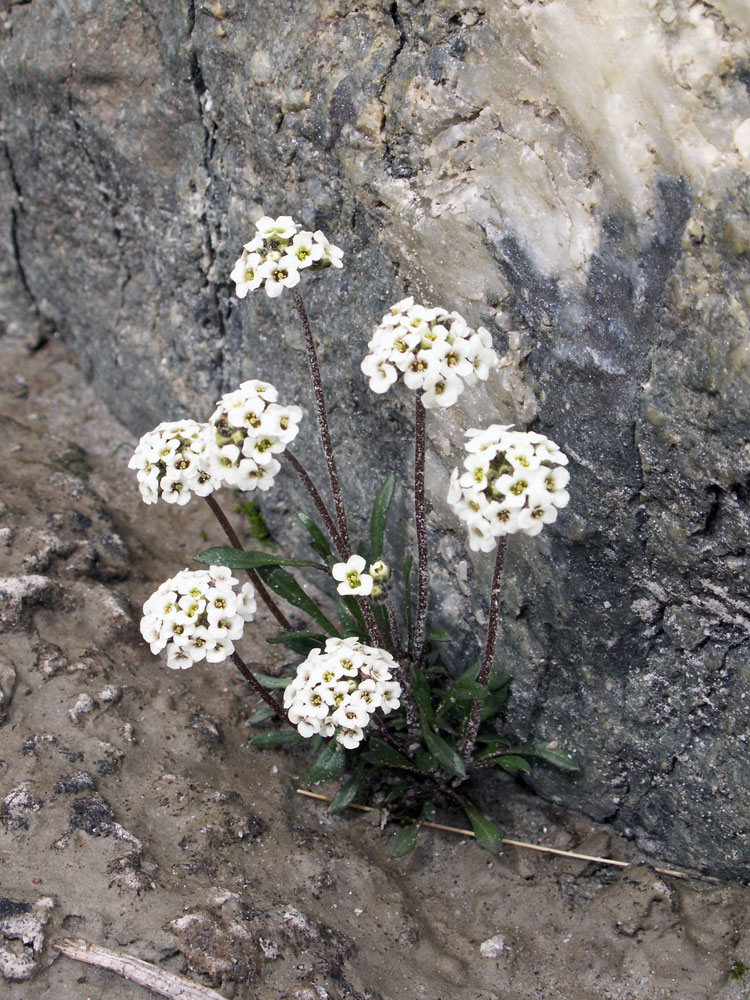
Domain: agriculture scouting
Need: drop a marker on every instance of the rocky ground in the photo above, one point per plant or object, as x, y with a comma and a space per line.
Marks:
135, 815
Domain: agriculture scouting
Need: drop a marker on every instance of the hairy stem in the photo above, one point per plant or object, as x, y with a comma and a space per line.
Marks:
393, 625
421, 519
255, 684
317, 499
489, 649
320, 412
234, 541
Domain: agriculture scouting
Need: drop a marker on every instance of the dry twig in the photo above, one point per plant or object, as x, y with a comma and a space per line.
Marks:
136, 970
521, 843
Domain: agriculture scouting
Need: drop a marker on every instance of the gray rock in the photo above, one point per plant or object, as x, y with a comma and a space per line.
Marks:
575, 180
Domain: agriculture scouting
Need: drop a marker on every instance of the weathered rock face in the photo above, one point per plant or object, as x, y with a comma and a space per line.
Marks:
574, 177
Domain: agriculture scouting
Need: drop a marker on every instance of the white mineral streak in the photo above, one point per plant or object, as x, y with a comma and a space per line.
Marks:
557, 114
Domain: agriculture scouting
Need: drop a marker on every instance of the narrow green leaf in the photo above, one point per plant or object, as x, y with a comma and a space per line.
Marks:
557, 756
494, 703
282, 738
422, 696
318, 540
498, 678
405, 840
512, 764
487, 833
352, 606
379, 515
316, 742
379, 752
330, 761
284, 584
466, 690
271, 683
429, 810
397, 792
224, 555
438, 635
471, 673
425, 761
348, 791
299, 642
349, 624
261, 715
444, 752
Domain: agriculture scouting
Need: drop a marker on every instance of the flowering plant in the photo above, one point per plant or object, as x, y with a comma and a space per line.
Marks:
372, 694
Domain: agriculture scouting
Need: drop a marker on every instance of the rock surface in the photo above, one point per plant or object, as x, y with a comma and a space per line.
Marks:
574, 177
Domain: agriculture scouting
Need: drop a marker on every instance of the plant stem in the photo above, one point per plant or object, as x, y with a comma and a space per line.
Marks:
421, 519
320, 412
372, 625
255, 684
255, 578
489, 649
383, 733
393, 624
317, 499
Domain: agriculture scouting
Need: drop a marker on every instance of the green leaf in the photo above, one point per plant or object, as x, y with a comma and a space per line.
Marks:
466, 690
405, 840
348, 791
438, 635
494, 703
261, 715
429, 810
425, 761
444, 753
349, 624
397, 792
330, 761
379, 515
284, 584
498, 678
282, 738
486, 832
224, 555
557, 756
271, 683
299, 642
381, 753
422, 695
318, 540
512, 764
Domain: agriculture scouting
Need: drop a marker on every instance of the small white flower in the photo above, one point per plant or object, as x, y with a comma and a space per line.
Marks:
277, 253
171, 462
514, 482
338, 689
433, 350
353, 579
194, 616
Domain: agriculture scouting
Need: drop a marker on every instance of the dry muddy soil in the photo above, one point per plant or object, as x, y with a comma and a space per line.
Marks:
134, 814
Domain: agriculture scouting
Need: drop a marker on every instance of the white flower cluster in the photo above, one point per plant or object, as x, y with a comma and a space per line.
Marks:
514, 481
235, 448
277, 254
171, 462
432, 349
336, 690
197, 615
249, 429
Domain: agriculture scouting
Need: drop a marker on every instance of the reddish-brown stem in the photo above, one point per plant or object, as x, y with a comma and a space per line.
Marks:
489, 649
317, 499
255, 684
320, 412
421, 519
234, 541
